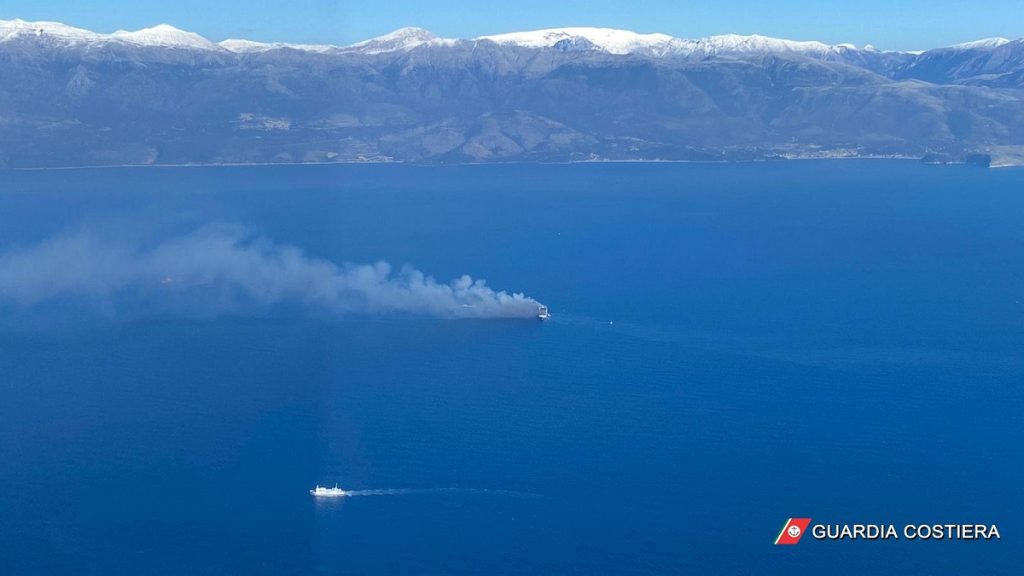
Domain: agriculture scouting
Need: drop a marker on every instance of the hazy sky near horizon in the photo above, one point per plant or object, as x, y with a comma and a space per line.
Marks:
887, 24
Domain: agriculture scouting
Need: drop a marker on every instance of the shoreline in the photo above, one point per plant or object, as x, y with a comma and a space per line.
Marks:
509, 163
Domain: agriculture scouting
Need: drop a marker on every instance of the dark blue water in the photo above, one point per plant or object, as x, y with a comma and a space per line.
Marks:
732, 345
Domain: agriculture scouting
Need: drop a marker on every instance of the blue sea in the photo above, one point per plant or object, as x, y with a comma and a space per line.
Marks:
731, 345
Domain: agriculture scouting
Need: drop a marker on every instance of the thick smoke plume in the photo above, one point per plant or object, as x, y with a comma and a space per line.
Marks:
224, 268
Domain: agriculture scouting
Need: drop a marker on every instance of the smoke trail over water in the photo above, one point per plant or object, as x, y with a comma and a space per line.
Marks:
224, 268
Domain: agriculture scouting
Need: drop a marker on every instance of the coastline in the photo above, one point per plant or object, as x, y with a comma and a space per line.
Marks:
994, 165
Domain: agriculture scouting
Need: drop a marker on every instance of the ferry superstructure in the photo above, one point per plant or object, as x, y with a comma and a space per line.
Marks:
325, 492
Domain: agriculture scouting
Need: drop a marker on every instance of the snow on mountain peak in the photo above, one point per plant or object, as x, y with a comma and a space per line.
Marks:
735, 43
626, 42
13, 29
399, 40
983, 43
610, 40
405, 34
249, 46
164, 35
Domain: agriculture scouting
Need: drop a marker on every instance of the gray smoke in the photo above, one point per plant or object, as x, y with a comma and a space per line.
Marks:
224, 268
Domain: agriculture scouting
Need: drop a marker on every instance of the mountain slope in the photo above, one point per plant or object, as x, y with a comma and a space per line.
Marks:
164, 96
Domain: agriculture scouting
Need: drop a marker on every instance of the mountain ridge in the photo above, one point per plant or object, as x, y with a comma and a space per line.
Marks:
617, 39
161, 95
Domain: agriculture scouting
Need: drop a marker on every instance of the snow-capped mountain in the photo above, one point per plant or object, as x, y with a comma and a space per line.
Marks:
162, 36
622, 42
163, 95
399, 41
248, 46
611, 41
606, 39
995, 62
165, 36
983, 43
735, 43
12, 30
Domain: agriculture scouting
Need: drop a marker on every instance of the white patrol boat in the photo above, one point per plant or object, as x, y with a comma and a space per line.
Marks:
542, 312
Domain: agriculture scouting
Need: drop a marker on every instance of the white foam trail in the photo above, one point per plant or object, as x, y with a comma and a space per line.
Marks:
224, 268
407, 491
386, 492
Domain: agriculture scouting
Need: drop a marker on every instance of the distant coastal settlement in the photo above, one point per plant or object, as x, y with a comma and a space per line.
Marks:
979, 160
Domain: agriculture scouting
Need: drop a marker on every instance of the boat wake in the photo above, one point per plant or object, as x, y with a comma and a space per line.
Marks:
409, 491
387, 492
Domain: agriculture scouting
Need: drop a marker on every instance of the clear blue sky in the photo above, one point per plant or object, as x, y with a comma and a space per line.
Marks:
888, 24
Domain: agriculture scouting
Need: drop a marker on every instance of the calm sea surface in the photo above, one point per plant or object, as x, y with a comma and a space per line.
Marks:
731, 346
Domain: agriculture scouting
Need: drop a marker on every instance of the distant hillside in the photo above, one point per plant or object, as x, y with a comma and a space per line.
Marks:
71, 97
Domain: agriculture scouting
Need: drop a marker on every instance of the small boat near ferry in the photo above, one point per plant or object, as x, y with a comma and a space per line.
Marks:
542, 312
325, 492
